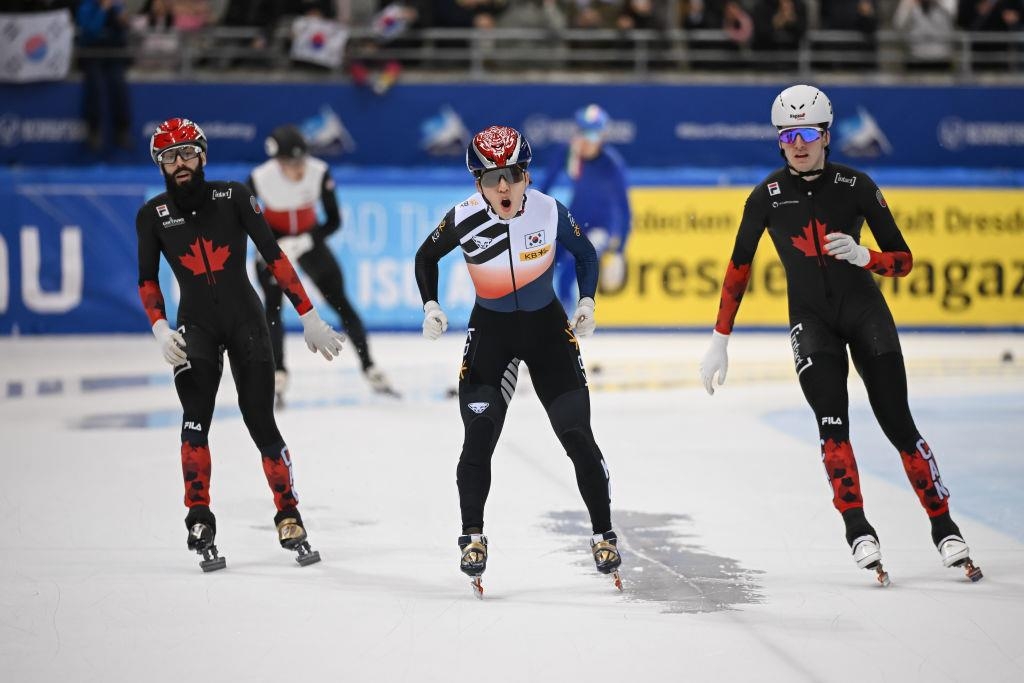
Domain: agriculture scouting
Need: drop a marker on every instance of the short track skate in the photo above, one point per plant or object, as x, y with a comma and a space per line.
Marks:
606, 555
200, 539
293, 537
868, 556
474, 561
955, 553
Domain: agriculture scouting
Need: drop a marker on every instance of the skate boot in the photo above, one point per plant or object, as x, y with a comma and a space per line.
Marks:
379, 382
474, 560
955, 553
606, 555
202, 528
280, 386
867, 555
292, 536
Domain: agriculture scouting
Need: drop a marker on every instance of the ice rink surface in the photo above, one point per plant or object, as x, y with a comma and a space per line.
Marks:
735, 565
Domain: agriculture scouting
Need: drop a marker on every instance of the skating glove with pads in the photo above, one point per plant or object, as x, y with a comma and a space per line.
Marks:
172, 344
845, 248
435, 322
613, 270
583, 322
320, 337
295, 246
716, 360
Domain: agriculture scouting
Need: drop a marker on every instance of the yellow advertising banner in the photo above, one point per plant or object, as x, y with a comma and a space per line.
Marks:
968, 248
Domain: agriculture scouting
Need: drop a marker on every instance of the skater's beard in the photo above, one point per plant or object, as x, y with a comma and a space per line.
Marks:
190, 194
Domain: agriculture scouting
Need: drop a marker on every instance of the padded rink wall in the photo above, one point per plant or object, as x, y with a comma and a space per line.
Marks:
953, 177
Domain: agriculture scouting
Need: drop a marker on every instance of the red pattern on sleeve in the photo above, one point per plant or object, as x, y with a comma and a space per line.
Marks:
890, 263
282, 270
736, 279
152, 301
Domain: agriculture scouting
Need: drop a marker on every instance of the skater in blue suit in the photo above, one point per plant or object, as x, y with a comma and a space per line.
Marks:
600, 202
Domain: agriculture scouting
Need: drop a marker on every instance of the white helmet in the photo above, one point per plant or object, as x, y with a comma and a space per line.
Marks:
801, 105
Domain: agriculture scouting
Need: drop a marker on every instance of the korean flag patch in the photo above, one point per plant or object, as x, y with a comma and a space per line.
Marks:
773, 189
534, 239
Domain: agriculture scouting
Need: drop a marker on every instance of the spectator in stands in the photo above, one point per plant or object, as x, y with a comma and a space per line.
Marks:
643, 15
727, 16
158, 39
103, 37
191, 16
535, 14
779, 26
390, 21
995, 16
928, 28
259, 15
860, 16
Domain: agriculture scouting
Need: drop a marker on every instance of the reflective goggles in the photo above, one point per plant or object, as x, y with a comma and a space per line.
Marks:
185, 153
511, 174
788, 136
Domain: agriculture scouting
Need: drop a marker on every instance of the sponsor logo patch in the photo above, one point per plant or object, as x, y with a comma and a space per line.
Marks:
478, 407
773, 189
482, 242
225, 194
171, 222
162, 211
840, 178
535, 254
254, 204
880, 198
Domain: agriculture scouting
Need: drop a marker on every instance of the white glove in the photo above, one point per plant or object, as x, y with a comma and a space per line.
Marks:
613, 270
320, 336
583, 319
716, 360
295, 246
845, 248
435, 322
172, 344
600, 238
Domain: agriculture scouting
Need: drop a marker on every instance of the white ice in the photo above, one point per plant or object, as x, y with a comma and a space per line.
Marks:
96, 583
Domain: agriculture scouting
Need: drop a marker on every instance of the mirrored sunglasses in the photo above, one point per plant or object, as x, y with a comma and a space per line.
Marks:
511, 174
186, 153
788, 136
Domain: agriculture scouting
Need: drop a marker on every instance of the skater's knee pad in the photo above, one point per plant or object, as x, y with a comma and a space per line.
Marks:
483, 414
570, 412
194, 431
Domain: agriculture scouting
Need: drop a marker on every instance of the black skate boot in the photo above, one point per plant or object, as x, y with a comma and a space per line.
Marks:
202, 528
292, 536
864, 544
606, 555
474, 560
952, 547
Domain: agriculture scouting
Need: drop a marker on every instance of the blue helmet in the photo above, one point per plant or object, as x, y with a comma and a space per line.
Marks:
592, 120
497, 147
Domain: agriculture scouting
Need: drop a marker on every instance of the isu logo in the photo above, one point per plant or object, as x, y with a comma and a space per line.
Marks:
535, 239
535, 254
478, 408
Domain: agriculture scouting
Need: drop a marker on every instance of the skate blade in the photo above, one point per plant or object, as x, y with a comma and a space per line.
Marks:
306, 556
882, 575
973, 572
211, 561
478, 587
617, 579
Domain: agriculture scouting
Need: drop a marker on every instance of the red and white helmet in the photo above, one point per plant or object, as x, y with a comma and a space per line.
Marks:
175, 132
497, 147
801, 105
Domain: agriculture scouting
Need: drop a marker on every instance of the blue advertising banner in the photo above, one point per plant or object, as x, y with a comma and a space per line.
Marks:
423, 125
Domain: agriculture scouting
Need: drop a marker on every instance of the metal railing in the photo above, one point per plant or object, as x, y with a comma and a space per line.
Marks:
222, 53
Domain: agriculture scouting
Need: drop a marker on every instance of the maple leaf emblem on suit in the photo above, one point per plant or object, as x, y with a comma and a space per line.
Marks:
217, 257
805, 241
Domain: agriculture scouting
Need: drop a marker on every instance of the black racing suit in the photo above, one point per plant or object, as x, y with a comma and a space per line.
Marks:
518, 318
291, 210
834, 304
219, 311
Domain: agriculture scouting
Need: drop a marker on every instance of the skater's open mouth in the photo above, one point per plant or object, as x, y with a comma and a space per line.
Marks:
506, 204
